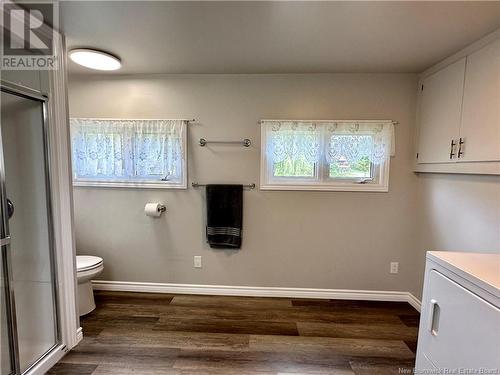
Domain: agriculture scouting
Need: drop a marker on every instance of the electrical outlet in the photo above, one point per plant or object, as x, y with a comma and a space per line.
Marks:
394, 267
197, 261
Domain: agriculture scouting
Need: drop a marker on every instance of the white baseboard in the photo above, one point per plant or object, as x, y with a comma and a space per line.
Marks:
79, 334
256, 291
414, 301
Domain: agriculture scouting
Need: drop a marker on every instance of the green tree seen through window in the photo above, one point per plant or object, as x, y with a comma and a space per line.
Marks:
294, 168
343, 169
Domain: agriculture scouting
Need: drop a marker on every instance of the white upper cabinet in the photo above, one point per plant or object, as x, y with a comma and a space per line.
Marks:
440, 111
459, 113
480, 130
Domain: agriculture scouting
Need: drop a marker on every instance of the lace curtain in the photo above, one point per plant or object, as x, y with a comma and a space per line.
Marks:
106, 149
293, 140
343, 141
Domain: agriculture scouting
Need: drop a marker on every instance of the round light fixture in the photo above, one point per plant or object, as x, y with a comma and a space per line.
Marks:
94, 59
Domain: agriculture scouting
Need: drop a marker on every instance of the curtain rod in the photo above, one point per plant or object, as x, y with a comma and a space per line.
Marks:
135, 119
289, 120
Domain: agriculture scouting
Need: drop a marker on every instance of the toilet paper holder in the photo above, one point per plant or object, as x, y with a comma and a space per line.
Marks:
154, 209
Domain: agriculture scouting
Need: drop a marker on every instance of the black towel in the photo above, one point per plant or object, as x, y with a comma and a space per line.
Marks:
224, 216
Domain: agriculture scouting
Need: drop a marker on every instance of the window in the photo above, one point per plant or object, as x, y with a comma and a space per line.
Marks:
326, 155
130, 153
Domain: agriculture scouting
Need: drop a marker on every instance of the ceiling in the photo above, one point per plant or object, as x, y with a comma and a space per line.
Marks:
276, 37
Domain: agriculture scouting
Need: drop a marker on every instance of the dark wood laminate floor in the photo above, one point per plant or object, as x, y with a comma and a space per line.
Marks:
135, 333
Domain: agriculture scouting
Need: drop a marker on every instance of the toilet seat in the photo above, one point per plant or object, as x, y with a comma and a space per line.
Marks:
87, 262
87, 269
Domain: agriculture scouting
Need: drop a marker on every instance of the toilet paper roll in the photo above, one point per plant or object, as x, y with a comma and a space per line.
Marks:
153, 209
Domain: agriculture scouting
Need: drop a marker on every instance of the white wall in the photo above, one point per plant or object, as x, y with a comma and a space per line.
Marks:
290, 239
460, 212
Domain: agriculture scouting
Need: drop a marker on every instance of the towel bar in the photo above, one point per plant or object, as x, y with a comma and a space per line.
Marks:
245, 142
247, 186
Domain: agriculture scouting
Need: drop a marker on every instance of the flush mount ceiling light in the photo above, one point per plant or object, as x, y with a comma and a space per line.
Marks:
94, 59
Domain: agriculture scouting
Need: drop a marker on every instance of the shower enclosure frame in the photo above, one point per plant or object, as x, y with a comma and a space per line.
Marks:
29, 94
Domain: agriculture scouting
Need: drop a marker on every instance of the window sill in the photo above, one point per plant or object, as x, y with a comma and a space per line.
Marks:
345, 187
130, 185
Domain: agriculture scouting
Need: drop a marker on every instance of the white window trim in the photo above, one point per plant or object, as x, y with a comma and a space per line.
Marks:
381, 186
131, 184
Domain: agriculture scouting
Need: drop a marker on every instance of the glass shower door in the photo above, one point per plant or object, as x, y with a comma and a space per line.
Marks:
28, 224
5, 342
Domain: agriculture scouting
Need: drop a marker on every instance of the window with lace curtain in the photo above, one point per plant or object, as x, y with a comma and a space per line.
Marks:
129, 153
326, 155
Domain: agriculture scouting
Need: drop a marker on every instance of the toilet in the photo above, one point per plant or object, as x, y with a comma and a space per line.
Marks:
87, 268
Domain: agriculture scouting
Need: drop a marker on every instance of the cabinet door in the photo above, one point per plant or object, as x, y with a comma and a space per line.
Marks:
440, 113
458, 329
481, 109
